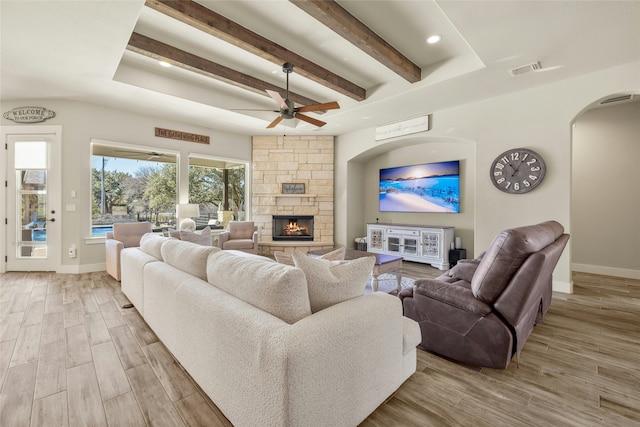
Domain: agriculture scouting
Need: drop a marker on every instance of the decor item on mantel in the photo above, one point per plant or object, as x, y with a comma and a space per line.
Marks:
185, 212
293, 188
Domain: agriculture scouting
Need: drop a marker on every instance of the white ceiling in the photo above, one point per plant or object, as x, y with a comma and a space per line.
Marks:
77, 50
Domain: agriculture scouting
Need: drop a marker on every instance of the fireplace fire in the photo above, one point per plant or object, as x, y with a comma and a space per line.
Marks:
287, 227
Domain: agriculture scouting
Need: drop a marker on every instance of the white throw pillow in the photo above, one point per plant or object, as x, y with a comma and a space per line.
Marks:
330, 283
187, 256
151, 244
278, 289
283, 257
286, 258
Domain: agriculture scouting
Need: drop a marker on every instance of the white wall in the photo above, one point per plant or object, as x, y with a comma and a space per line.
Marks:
82, 122
605, 197
538, 118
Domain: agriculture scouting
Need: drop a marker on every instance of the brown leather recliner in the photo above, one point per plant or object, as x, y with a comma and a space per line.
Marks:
482, 311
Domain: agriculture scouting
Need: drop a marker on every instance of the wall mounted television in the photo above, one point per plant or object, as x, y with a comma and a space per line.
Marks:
427, 187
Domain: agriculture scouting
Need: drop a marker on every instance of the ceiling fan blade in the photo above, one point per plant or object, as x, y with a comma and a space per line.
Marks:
319, 107
310, 120
275, 122
277, 98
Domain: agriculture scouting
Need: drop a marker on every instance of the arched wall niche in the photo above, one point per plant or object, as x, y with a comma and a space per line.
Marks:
363, 177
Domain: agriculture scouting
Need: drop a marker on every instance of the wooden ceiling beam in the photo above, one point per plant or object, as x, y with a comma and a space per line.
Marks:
198, 16
349, 27
188, 61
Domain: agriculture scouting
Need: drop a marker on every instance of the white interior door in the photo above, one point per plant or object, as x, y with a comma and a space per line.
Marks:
32, 240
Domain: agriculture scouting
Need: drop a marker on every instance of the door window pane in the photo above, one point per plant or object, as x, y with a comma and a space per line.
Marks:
32, 213
30, 155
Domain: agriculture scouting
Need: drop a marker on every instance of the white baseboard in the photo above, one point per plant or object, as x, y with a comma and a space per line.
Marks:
561, 286
606, 271
82, 268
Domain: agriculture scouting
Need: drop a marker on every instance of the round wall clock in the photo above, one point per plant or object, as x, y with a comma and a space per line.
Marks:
517, 171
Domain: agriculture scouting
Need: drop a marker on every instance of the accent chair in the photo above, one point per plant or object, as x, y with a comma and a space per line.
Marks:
124, 235
240, 235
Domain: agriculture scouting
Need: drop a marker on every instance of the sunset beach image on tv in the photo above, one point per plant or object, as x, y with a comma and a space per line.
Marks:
428, 187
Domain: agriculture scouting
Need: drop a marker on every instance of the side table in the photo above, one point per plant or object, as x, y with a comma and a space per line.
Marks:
456, 255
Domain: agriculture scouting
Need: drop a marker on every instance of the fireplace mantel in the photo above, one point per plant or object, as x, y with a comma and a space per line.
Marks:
285, 196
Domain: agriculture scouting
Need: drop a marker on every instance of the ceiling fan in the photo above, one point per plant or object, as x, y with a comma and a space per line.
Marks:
143, 155
289, 111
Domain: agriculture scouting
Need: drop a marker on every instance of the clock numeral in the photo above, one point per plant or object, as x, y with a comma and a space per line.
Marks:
501, 180
530, 162
535, 168
533, 177
505, 159
498, 173
508, 184
515, 155
499, 166
525, 156
516, 186
526, 183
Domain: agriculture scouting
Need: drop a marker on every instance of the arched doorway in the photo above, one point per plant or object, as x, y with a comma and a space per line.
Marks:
605, 195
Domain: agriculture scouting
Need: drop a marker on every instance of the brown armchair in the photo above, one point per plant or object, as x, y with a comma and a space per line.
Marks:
482, 311
124, 235
240, 235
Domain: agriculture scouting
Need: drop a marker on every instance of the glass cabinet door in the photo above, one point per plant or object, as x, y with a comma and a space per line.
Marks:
376, 239
431, 245
410, 246
393, 244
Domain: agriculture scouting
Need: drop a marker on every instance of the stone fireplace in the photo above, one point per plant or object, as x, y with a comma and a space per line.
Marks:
292, 228
296, 159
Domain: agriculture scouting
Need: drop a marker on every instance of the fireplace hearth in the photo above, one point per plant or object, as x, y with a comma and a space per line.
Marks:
292, 227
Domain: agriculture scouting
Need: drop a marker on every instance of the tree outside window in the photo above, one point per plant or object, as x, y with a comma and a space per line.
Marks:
130, 185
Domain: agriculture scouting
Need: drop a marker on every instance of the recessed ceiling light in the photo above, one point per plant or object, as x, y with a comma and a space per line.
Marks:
434, 38
164, 64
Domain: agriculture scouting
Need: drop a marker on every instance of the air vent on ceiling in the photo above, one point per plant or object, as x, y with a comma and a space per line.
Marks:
534, 66
619, 98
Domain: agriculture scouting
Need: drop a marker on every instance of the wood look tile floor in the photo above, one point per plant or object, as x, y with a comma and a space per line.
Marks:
71, 356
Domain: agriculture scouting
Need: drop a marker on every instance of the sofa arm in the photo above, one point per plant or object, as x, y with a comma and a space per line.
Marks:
464, 269
406, 293
223, 237
362, 338
112, 257
456, 296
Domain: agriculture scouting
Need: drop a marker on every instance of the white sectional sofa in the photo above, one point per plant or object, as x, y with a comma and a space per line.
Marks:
242, 326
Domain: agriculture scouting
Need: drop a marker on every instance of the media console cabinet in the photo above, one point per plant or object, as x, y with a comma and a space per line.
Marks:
419, 243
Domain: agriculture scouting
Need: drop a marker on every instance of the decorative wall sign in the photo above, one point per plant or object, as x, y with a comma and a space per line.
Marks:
182, 136
29, 114
406, 127
293, 188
